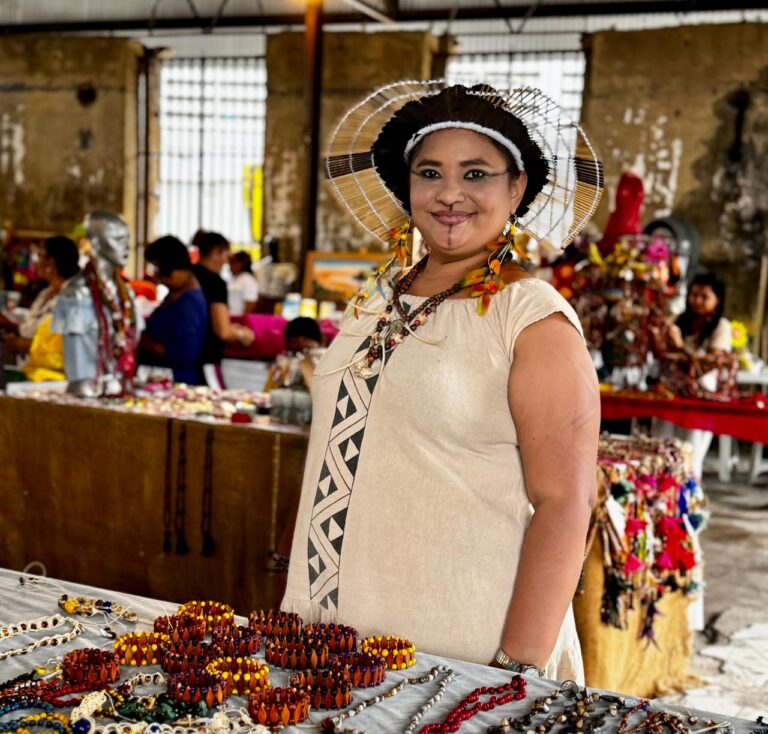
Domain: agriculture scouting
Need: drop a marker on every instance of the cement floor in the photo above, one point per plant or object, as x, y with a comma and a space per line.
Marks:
731, 657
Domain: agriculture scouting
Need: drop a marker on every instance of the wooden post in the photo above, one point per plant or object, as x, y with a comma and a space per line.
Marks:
313, 86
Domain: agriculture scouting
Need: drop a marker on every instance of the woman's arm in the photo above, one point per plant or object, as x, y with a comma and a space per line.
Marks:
224, 328
555, 403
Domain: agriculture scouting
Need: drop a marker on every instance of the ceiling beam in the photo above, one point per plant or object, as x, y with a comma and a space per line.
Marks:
490, 11
369, 10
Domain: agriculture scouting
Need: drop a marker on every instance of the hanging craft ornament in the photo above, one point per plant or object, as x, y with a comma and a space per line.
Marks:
367, 160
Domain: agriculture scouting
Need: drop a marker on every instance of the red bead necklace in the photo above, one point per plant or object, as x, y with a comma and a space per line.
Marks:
500, 695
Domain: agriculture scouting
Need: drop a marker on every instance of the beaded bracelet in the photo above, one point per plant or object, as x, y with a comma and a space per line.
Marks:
214, 613
197, 686
275, 623
332, 677
237, 641
58, 696
181, 627
366, 670
36, 625
57, 722
141, 648
241, 676
279, 706
91, 665
338, 637
398, 653
86, 607
193, 656
297, 655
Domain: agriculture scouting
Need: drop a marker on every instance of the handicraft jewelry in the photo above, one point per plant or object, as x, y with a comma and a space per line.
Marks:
117, 336
141, 648
499, 695
333, 723
275, 623
181, 627
328, 689
297, 654
339, 638
398, 654
86, 607
91, 666
237, 640
214, 613
241, 676
57, 722
196, 686
279, 706
37, 625
365, 669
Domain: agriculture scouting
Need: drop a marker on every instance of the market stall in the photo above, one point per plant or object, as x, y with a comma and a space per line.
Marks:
176, 505
437, 690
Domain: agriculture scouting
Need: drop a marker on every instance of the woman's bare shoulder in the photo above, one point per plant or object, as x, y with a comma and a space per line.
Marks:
512, 273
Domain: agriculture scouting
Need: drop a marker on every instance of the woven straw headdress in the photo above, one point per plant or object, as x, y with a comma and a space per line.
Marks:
367, 157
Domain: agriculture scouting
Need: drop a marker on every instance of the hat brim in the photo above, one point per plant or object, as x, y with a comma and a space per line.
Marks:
556, 215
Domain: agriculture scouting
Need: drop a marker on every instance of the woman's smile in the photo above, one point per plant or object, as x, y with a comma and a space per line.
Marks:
452, 218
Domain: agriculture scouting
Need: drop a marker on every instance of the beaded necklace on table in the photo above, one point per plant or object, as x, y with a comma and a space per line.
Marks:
36, 625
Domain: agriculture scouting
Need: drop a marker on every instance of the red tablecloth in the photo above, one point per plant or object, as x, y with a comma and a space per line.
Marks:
745, 420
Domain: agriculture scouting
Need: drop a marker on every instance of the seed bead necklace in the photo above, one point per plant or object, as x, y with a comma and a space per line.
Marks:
499, 695
333, 724
36, 625
395, 323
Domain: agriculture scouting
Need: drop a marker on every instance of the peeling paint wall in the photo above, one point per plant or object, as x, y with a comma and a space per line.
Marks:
67, 129
656, 102
353, 65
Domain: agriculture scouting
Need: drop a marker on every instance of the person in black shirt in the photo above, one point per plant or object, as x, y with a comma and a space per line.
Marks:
214, 253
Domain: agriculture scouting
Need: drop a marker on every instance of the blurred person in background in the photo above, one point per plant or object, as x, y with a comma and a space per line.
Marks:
243, 288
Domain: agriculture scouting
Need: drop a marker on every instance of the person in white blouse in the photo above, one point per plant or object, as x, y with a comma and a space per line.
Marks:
243, 288
700, 329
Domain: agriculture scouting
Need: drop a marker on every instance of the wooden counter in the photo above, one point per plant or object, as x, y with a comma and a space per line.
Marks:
82, 490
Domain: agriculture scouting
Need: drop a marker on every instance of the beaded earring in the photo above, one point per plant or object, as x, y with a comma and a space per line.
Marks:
400, 251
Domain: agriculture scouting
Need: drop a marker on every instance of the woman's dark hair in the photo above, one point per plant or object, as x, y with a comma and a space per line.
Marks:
244, 259
686, 319
206, 242
303, 326
65, 255
168, 253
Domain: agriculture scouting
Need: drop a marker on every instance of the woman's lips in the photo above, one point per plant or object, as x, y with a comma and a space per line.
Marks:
451, 219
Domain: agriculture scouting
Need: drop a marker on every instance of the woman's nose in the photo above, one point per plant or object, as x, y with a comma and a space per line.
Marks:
451, 192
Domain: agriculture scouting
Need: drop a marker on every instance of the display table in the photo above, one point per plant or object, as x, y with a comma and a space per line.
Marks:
391, 716
85, 492
747, 420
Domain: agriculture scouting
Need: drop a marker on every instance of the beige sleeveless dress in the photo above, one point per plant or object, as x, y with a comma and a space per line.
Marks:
414, 506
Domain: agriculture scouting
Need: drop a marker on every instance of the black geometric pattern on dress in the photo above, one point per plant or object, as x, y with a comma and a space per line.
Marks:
334, 488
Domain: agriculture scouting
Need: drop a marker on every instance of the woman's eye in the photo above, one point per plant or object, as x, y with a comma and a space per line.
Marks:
475, 174
429, 173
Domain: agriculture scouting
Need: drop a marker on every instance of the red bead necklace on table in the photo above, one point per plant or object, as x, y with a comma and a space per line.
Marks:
500, 695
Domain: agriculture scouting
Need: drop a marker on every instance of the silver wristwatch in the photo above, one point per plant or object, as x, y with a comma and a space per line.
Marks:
507, 663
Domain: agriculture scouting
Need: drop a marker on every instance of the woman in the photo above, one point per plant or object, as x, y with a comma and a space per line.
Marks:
702, 328
176, 330
32, 338
451, 467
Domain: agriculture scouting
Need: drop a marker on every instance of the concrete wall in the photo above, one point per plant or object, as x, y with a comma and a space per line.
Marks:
665, 103
353, 65
67, 129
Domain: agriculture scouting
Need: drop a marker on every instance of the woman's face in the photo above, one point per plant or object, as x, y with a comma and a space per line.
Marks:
176, 280
46, 267
702, 300
461, 192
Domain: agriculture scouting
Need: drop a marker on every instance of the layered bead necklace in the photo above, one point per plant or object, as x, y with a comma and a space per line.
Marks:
395, 323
